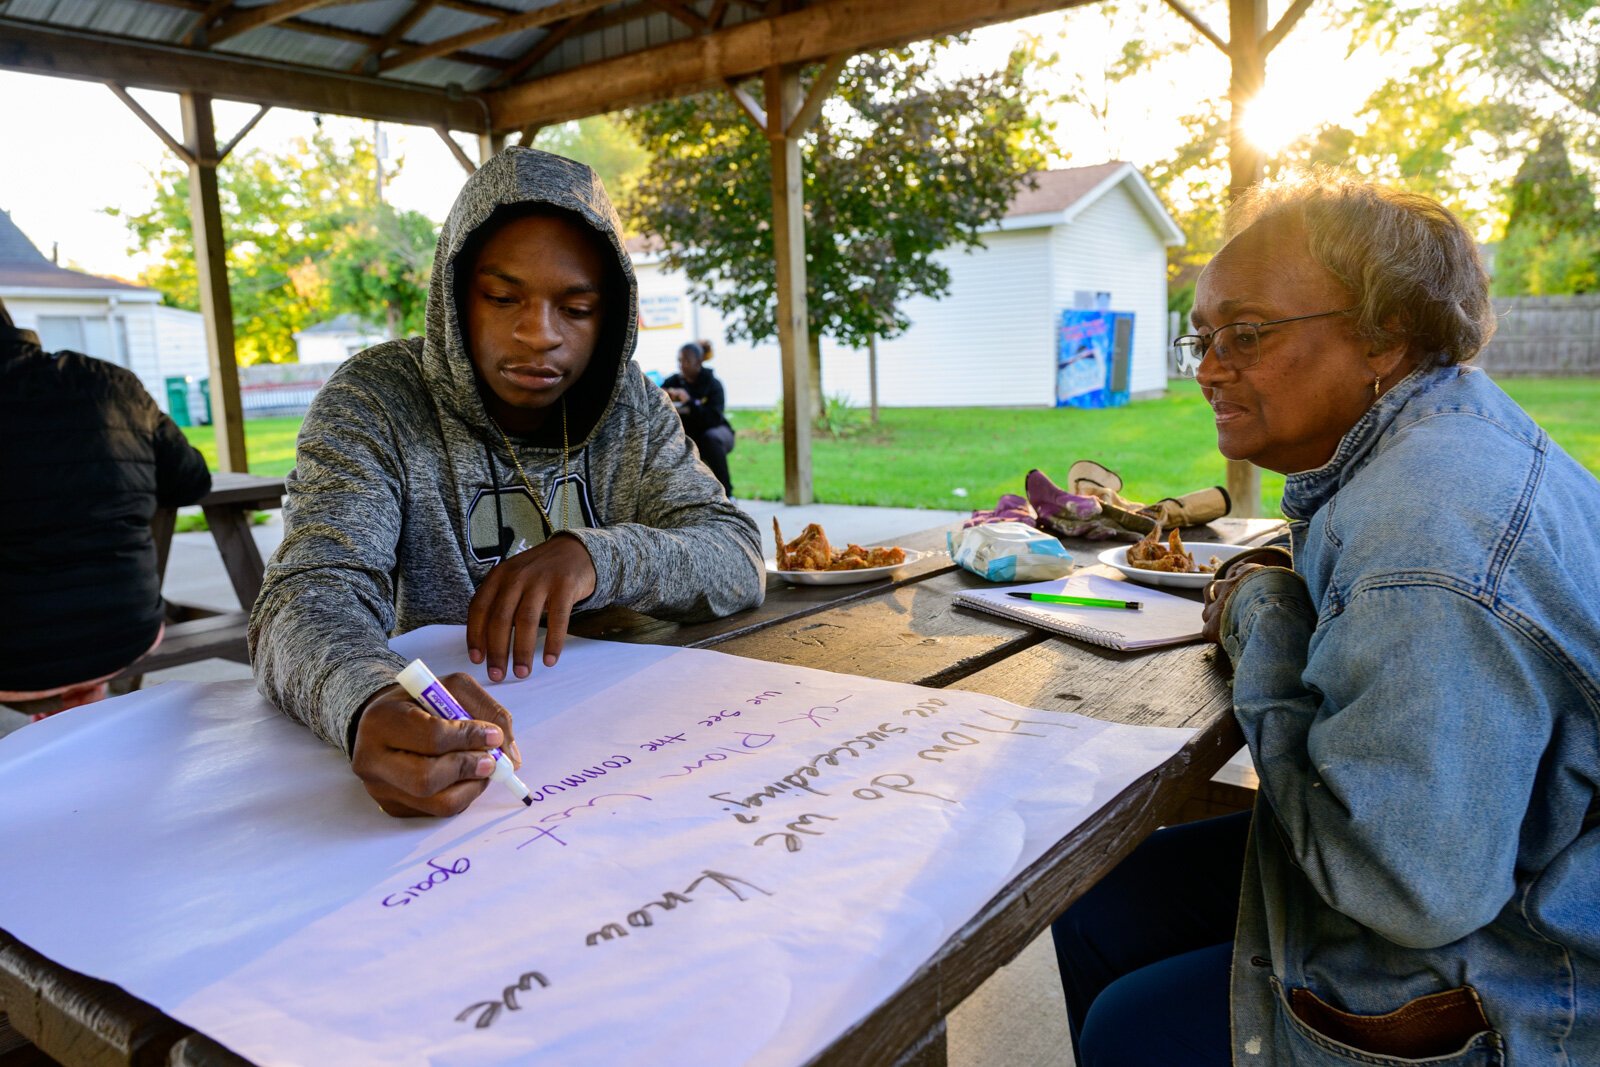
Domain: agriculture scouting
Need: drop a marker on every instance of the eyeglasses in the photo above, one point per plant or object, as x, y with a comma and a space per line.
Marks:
1236, 346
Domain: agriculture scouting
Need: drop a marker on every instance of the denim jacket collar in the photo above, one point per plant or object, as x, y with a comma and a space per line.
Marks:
1305, 492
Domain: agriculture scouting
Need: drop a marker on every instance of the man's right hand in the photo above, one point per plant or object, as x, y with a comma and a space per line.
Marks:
414, 763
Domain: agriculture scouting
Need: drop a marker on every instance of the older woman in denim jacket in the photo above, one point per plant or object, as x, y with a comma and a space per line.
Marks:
1420, 689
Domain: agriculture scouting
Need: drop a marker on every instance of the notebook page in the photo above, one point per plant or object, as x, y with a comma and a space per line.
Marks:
1164, 619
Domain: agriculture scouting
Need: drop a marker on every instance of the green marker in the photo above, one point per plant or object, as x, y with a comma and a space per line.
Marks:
1078, 601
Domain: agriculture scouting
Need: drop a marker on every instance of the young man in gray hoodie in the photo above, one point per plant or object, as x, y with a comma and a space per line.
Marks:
512, 463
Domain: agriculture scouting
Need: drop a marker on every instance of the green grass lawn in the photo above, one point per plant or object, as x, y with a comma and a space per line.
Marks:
268, 442
918, 457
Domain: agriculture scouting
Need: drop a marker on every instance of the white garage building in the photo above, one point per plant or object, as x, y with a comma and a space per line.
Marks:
102, 317
1086, 237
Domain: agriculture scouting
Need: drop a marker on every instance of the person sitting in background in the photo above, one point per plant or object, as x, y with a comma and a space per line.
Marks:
1418, 682
86, 458
698, 396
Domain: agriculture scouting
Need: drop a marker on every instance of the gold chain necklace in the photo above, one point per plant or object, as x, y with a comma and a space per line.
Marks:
566, 519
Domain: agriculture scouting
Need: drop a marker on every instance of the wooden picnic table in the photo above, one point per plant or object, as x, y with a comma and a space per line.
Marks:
905, 630
227, 508
195, 633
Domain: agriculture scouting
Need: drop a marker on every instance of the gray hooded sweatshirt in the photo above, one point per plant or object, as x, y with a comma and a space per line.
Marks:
404, 497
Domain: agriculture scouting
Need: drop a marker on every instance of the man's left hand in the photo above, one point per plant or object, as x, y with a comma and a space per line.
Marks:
503, 618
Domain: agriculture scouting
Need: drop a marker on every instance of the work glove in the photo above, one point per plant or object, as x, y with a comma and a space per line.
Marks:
1068, 514
1091, 479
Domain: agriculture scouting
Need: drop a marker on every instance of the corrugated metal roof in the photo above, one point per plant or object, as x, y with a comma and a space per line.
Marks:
338, 36
368, 66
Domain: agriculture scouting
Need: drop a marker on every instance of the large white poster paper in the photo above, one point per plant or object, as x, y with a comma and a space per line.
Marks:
728, 862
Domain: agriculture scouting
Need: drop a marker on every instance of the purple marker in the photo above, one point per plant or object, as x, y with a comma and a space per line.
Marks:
426, 689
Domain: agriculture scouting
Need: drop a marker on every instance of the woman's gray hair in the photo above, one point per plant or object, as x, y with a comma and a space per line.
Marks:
1412, 265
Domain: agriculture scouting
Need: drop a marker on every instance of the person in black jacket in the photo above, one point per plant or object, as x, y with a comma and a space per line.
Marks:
698, 397
86, 457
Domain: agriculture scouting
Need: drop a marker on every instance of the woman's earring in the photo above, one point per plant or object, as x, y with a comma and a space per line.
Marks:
1376, 382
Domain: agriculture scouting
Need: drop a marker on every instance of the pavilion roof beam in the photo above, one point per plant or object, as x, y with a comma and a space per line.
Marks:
1269, 40
233, 143
456, 150
809, 35
477, 7
246, 19
683, 14
747, 103
527, 20
177, 147
593, 22
543, 47
213, 11
339, 33
35, 49
1285, 23
368, 64
821, 88
1198, 23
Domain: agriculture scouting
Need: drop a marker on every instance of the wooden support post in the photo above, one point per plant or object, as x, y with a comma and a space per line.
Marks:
456, 150
789, 246
210, 257
489, 146
1247, 26
1249, 43
872, 374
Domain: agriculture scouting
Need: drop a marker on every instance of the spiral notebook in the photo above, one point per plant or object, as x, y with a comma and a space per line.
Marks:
1163, 619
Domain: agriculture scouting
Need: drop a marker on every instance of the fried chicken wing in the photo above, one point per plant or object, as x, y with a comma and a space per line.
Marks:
885, 557
1150, 554
808, 552
811, 552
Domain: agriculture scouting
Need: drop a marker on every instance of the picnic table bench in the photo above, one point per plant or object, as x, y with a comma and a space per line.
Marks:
194, 633
905, 630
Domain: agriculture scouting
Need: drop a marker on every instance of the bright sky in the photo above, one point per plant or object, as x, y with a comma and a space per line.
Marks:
56, 186
73, 149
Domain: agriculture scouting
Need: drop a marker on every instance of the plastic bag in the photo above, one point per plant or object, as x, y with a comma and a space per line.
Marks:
1009, 552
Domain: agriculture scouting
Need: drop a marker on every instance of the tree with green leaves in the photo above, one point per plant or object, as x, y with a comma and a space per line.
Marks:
900, 165
1490, 77
307, 239
382, 260
1552, 242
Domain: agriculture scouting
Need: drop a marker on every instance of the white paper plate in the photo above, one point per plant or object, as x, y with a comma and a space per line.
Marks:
864, 574
1202, 551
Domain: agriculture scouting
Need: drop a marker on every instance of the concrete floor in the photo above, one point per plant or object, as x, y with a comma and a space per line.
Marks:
1015, 1019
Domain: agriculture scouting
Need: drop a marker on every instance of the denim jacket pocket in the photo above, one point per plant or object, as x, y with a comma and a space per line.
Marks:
1446, 1029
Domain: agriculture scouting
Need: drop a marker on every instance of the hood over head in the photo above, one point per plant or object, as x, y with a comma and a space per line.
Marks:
507, 182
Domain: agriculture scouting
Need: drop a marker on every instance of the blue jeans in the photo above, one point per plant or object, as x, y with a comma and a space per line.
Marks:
1145, 954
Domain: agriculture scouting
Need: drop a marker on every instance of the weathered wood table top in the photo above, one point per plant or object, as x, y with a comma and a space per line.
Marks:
904, 630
